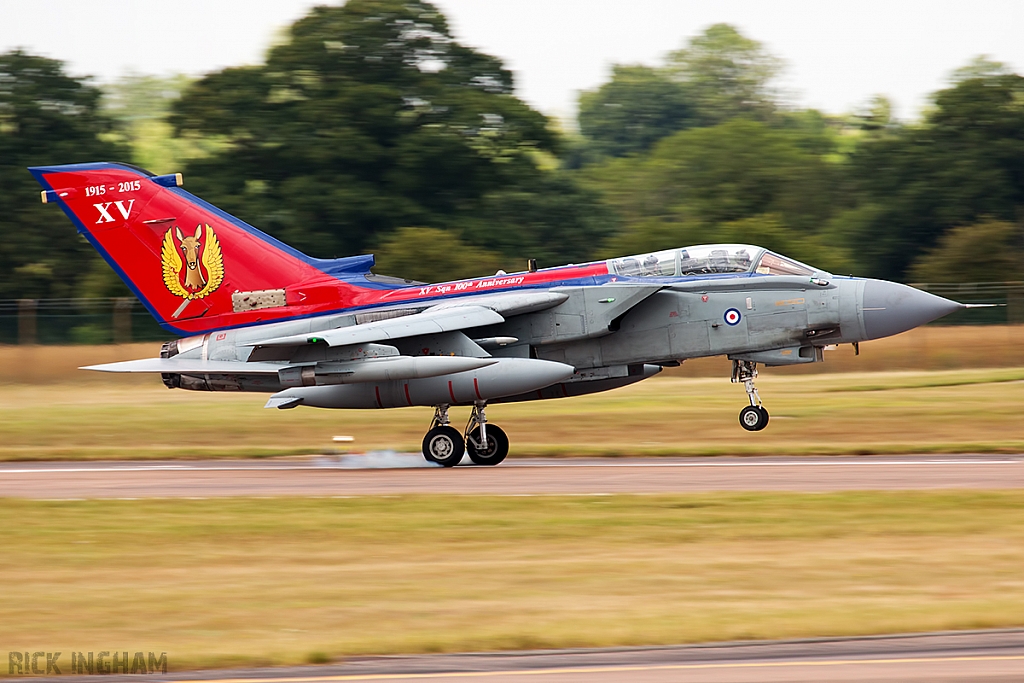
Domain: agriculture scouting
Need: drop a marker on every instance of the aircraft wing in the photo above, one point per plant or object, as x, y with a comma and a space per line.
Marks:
508, 303
430, 321
193, 366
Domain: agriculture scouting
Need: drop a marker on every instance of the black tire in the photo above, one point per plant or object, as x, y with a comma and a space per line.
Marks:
497, 446
753, 418
764, 412
444, 445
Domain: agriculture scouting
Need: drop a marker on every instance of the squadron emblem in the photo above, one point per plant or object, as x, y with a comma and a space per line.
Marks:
193, 265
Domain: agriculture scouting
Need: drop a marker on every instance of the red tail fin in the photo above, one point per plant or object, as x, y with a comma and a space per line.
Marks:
195, 267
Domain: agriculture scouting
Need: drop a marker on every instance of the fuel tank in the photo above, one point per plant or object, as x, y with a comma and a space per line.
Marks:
505, 377
578, 386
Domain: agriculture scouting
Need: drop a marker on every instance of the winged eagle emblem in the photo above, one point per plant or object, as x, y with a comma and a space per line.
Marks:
193, 264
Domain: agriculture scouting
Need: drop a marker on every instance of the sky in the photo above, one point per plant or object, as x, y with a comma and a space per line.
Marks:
837, 54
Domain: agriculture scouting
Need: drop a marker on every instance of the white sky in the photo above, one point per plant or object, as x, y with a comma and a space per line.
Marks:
838, 54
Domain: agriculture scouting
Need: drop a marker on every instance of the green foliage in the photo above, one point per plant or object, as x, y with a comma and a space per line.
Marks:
46, 117
718, 76
863, 194
368, 117
432, 255
550, 219
740, 181
632, 111
140, 105
989, 251
726, 75
965, 162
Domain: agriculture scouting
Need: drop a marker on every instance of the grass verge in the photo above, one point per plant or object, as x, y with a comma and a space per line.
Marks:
272, 581
894, 412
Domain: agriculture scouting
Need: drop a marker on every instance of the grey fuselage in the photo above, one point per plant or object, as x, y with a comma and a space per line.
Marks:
595, 338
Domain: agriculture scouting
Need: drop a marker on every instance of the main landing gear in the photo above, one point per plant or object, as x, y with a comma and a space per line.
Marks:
754, 417
443, 444
485, 443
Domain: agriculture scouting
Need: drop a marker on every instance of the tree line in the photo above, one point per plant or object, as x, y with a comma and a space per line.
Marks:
370, 128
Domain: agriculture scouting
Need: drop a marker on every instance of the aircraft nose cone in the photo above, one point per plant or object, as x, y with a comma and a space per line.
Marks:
890, 308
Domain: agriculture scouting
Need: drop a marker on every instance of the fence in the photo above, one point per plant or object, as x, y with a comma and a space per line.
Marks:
1009, 294
125, 320
77, 321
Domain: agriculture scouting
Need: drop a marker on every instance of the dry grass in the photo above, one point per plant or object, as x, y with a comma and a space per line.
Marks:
283, 581
955, 411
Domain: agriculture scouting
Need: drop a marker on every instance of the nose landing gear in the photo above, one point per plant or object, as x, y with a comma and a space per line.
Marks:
754, 417
486, 443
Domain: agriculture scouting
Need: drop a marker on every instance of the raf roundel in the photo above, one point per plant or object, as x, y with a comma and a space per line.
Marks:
732, 317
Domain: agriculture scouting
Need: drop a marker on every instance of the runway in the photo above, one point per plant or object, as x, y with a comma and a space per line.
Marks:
393, 473
988, 656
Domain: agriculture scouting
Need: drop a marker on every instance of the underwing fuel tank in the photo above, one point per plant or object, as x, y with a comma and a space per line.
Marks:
576, 387
505, 377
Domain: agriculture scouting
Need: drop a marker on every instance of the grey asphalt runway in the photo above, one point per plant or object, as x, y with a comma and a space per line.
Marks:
394, 473
987, 656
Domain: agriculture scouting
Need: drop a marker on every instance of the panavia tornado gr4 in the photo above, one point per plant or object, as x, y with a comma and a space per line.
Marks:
254, 314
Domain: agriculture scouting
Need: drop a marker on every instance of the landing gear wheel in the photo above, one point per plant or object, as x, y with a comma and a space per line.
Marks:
444, 445
494, 452
753, 418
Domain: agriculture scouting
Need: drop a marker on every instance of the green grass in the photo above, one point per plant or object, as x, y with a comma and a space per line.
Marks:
940, 379
285, 581
893, 412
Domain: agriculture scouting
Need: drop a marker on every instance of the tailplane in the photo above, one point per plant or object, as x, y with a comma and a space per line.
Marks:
195, 267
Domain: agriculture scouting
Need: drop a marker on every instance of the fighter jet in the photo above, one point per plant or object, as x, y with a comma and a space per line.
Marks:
254, 314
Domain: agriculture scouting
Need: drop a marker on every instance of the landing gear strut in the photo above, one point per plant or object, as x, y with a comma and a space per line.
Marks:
754, 417
487, 444
443, 444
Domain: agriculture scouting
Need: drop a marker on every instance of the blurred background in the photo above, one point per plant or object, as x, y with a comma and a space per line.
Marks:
377, 126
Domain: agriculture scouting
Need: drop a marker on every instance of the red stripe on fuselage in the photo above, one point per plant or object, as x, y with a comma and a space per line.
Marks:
409, 400
482, 285
451, 392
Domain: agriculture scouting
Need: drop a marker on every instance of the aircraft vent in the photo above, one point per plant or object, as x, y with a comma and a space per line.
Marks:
384, 315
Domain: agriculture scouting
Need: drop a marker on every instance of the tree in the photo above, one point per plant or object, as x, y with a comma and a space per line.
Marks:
875, 115
726, 75
370, 116
738, 181
432, 255
140, 105
550, 219
46, 117
633, 110
964, 162
988, 251
719, 75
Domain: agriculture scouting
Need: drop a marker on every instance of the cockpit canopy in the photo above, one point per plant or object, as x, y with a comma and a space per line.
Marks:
708, 259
